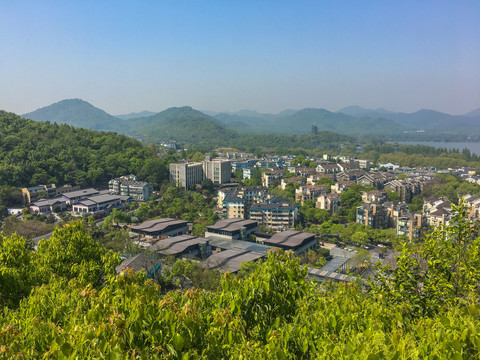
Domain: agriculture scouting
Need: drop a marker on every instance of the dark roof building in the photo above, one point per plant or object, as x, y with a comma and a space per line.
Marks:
160, 227
231, 260
232, 229
140, 262
182, 245
296, 241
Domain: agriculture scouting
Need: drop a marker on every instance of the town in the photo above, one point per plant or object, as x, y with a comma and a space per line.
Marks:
339, 213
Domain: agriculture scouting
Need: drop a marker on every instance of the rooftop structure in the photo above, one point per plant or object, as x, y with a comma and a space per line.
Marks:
296, 241
160, 227
231, 260
182, 245
140, 262
233, 229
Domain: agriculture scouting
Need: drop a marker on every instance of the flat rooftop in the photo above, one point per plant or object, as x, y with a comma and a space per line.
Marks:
239, 244
84, 192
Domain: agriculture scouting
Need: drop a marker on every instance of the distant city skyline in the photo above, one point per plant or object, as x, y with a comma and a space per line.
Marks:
268, 56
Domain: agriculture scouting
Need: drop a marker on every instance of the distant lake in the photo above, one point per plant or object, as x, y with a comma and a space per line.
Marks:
472, 146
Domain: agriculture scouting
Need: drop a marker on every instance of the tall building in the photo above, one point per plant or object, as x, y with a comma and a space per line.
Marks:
188, 174
314, 129
217, 170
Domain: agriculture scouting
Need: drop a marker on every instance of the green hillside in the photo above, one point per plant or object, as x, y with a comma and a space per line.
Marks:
79, 113
33, 153
184, 125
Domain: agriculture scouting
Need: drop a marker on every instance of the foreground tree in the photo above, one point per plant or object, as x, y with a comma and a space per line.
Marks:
444, 270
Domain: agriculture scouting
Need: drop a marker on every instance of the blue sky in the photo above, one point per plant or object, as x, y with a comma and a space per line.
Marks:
125, 56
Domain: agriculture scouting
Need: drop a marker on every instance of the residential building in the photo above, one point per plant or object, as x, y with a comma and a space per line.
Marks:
342, 186
269, 176
350, 174
330, 202
186, 174
473, 203
411, 225
129, 186
375, 196
295, 180
372, 215
328, 168
217, 170
364, 164
312, 179
375, 179
277, 216
98, 204
309, 192
31, 194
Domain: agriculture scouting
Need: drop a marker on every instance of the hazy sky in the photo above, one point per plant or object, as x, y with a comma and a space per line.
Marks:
125, 56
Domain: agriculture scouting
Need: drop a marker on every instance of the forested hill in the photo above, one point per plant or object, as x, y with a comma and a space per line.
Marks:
79, 113
34, 153
182, 124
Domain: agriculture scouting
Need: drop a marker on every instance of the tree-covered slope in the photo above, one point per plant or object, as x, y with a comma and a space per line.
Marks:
33, 153
64, 301
182, 124
79, 113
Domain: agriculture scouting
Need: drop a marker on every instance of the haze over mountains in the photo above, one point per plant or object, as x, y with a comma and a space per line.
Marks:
188, 125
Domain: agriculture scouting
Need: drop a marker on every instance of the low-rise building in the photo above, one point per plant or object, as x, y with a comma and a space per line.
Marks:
232, 229
74, 196
376, 196
291, 240
47, 206
182, 246
231, 260
330, 202
98, 204
160, 227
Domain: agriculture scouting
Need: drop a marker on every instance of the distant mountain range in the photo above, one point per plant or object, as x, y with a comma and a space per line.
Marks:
187, 125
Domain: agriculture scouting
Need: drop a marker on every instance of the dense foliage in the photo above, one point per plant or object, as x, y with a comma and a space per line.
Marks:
33, 153
182, 204
271, 312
